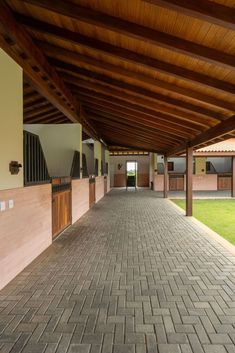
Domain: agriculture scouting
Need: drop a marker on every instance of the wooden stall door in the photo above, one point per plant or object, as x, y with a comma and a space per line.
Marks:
61, 211
91, 194
176, 183
224, 182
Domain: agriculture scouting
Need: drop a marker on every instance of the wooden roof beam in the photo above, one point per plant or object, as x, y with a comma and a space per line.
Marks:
217, 131
44, 109
157, 119
140, 107
128, 55
209, 11
105, 130
58, 55
111, 120
135, 31
152, 125
126, 141
43, 118
36, 67
71, 76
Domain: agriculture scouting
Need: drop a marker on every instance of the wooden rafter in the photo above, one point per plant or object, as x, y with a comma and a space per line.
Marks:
117, 94
152, 122
59, 54
150, 130
141, 106
133, 30
217, 131
130, 56
201, 9
35, 64
71, 73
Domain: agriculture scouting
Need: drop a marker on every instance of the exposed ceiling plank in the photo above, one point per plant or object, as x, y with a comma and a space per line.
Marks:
201, 9
176, 111
133, 136
39, 110
59, 54
121, 128
100, 116
41, 117
217, 131
169, 129
74, 72
130, 56
136, 31
159, 119
41, 102
149, 110
35, 65
127, 141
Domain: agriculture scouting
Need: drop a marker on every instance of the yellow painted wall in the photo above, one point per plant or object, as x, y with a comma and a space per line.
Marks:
80, 149
59, 141
97, 154
11, 121
200, 165
107, 160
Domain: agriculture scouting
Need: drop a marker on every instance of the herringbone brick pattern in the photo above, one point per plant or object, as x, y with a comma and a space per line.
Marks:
132, 276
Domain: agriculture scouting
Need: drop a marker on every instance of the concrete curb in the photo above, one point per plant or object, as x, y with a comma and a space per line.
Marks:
211, 233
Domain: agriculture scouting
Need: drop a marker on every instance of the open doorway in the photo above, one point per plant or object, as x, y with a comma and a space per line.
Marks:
131, 174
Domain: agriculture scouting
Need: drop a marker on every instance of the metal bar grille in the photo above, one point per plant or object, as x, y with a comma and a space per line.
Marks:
35, 168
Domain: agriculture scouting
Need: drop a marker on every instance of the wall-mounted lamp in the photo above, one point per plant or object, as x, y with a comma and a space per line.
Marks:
14, 167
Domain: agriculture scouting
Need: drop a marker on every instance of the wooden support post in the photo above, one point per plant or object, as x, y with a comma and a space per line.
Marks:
189, 181
165, 190
233, 178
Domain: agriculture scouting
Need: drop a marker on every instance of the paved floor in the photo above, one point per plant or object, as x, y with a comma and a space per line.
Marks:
133, 275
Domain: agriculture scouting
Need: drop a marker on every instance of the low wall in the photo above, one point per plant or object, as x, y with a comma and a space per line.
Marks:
108, 184
99, 188
25, 229
207, 182
119, 180
80, 198
158, 184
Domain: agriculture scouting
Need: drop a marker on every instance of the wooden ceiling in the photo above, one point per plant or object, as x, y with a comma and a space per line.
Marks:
154, 75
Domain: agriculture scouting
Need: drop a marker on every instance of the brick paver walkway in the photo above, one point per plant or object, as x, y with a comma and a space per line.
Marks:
133, 275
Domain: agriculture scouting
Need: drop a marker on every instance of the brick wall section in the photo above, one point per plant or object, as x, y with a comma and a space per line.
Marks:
99, 188
80, 198
25, 229
206, 182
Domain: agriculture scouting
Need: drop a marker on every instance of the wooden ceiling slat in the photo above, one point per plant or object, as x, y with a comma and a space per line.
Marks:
71, 73
128, 141
209, 11
59, 55
35, 65
42, 117
123, 127
40, 102
100, 116
136, 31
217, 131
175, 130
151, 111
130, 56
39, 110
134, 136
138, 100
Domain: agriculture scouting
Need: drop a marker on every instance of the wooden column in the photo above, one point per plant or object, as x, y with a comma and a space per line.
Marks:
165, 190
189, 181
233, 178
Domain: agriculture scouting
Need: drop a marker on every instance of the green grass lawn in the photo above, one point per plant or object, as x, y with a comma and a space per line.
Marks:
219, 215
